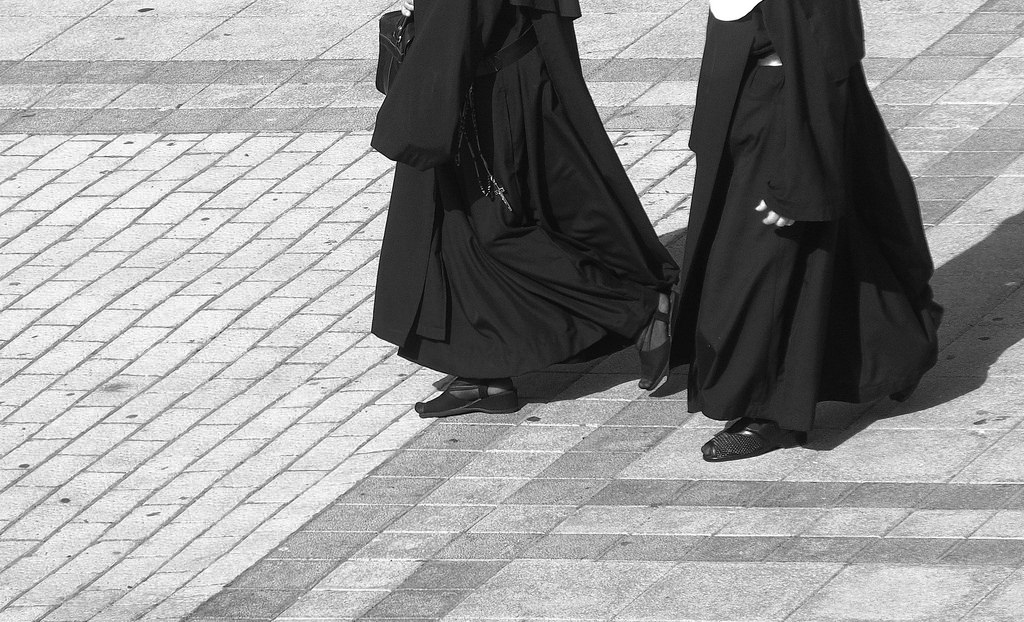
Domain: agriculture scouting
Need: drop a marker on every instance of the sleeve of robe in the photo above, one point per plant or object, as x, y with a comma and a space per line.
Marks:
417, 122
818, 42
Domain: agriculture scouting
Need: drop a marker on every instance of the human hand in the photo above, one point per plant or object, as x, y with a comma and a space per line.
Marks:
772, 218
407, 7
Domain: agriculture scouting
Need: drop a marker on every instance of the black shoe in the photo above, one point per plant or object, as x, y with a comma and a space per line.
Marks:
748, 438
463, 397
655, 361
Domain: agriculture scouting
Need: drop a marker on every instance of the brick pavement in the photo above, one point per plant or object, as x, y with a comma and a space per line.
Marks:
194, 422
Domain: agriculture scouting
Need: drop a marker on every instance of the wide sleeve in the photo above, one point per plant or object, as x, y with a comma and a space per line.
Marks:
417, 122
809, 181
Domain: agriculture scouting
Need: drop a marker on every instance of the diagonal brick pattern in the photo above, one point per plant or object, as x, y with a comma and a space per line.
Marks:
195, 424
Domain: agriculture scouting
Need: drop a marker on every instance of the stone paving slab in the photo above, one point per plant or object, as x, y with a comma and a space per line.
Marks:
195, 424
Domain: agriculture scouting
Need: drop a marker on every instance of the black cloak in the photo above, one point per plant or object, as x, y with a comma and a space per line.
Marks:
466, 286
837, 307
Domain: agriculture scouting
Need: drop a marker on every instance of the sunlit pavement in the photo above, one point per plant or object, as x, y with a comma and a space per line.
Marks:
196, 425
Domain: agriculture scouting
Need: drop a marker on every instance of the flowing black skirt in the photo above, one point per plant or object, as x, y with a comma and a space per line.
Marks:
565, 273
817, 311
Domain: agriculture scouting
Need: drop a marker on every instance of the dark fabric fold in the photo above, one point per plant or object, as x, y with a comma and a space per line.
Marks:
472, 287
564, 8
838, 306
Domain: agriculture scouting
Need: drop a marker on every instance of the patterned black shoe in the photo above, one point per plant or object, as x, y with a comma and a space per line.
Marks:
749, 438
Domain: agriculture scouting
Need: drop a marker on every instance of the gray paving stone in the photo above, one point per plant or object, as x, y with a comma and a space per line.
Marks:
829, 550
523, 519
572, 492
904, 551
708, 591
452, 575
321, 545
391, 490
971, 496
335, 71
652, 548
905, 592
991, 23
1011, 117
1003, 604
187, 120
652, 413
972, 164
980, 552
333, 604
575, 589
42, 72
933, 212
637, 117
488, 546
426, 463
638, 492
589, 465
283, 574
460, 436
721, 493
416, 604
615, 438
261, 72
404, 546
114, 72
571, 546
508, 464
635, 70
258, 604
189, 72
267, 119
995, 139
373, 516
45, 121
441, 518
972, 44
735, 548
803, 494
115, 119
340, 119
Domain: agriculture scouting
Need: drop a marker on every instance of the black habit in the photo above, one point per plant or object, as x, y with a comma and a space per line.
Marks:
837, 306
571, 266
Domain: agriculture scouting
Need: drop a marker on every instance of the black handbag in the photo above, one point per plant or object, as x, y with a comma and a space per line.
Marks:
396, 34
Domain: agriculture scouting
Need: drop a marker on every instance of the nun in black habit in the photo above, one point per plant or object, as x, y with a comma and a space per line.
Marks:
805, 272
514, 238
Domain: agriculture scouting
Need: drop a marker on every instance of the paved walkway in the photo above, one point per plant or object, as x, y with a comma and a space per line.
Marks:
195, 424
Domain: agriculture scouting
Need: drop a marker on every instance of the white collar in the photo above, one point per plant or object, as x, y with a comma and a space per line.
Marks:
732, 10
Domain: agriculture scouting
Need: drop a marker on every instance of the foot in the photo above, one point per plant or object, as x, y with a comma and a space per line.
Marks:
471, 395
748, 438
655, 344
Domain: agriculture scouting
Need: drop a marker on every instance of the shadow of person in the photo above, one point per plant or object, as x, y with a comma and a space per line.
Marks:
977, 286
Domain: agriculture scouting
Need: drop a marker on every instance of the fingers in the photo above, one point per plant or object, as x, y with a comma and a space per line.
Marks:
407, 7
772, 218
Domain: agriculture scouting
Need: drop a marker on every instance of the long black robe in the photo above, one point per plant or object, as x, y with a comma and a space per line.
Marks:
465, 285
838, 306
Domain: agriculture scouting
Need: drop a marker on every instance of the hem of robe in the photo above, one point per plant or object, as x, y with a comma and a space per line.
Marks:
849, 395
586, 350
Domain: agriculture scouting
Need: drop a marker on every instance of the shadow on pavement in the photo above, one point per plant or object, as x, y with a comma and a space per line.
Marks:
969, 286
